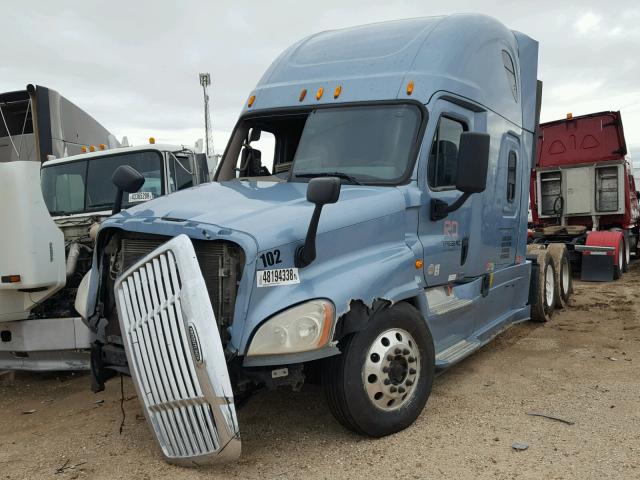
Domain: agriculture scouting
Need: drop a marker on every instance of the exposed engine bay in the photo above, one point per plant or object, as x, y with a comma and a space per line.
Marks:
79, 237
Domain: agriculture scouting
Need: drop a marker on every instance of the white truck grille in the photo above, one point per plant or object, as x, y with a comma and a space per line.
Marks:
164, 313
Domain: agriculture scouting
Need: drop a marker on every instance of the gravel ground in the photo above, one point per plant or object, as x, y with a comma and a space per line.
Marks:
582, 366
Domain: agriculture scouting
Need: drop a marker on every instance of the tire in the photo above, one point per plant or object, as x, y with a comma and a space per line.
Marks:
366, 405
544, 302
619, 268
626, 257
627, 254
564, 281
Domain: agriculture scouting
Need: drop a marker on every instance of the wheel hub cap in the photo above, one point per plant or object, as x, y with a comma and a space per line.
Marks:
391, 369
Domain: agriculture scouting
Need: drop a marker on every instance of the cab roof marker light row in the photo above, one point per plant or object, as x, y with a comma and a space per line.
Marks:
319, 93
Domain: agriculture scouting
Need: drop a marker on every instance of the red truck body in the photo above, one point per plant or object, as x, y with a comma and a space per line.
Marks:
582, 175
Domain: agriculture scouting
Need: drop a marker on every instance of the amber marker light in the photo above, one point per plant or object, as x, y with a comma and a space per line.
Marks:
152, 141
337, 92
102, 146
11, 279
92, 148
419, 264
327, 325
252, 99
303, 93
319, 93
410, 86
569, 116
83, 149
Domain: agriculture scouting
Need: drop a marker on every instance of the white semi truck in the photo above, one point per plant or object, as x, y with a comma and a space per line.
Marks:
53, 210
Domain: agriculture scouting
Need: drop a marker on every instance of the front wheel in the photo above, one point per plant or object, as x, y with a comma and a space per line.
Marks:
380, 383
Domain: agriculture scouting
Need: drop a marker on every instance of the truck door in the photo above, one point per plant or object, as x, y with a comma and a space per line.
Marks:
508, 187
445, 241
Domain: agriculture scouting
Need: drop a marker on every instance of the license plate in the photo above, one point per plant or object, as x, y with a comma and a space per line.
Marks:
140, 197
277, 276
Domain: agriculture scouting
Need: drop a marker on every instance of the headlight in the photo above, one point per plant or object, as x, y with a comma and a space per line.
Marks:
305, 327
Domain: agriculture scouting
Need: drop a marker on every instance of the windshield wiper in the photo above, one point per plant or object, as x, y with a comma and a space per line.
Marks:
100, 205
344, 176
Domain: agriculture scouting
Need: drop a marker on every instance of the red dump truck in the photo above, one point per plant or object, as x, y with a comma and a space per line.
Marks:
583, 193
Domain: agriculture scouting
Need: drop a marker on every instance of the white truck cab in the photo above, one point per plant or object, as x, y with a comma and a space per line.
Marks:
55, 209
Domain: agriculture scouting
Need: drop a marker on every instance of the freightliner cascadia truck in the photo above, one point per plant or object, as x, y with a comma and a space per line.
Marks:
583, 193
367, 227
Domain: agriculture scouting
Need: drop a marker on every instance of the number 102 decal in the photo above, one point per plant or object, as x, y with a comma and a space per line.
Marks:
271, 258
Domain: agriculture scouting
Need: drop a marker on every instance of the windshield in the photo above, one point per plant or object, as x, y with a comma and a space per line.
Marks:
366, 143
361, 144
85, 185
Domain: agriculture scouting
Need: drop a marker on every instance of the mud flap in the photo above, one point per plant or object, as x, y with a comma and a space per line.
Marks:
176, 357
598, 263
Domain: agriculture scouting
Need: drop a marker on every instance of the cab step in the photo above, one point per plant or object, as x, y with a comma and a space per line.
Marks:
441, 302
456, 352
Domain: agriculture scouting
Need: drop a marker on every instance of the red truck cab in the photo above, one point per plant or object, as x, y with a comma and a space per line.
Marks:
583, 183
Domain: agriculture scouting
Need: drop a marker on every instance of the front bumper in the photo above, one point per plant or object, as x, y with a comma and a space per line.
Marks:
176, 357
47, 344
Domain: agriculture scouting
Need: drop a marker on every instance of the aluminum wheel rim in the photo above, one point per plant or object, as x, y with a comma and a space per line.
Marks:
549, 285
565, 276
391, 369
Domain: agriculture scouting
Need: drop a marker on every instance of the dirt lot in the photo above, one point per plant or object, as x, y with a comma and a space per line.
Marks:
582, 366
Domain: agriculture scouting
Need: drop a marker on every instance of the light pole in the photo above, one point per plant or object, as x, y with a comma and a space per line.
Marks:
205, 81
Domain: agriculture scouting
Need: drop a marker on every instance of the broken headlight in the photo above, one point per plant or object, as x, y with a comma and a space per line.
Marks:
305, 327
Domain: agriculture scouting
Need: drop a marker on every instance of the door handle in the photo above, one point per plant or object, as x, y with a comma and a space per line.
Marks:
464, 250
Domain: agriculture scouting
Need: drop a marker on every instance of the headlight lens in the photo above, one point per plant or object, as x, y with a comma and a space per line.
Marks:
305, 327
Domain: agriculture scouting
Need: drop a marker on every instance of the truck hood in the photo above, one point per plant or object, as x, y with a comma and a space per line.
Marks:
272, 213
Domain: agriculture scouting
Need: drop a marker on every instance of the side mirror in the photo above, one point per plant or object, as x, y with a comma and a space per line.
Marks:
323, 190
254, 134
126, 179
471, 176
473, 162
320, 191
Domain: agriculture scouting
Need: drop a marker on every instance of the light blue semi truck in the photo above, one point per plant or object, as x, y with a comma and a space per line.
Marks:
367, 226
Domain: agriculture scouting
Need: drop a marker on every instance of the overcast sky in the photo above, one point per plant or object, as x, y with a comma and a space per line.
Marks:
134, 65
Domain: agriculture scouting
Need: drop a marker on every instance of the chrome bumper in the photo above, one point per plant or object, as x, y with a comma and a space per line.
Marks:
176, 357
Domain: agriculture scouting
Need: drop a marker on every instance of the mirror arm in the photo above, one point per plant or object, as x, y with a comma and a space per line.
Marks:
440, 209
117, 204
305, 254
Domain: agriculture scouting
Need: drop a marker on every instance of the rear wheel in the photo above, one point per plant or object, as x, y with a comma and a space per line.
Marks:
619, 267
563, 280
382, 380
627, 254
544, 302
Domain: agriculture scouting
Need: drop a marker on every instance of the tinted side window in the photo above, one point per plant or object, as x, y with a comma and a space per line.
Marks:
181, 175
203, 168
443, 159
511, 177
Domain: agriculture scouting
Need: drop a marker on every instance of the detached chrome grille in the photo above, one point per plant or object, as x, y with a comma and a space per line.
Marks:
162, 305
